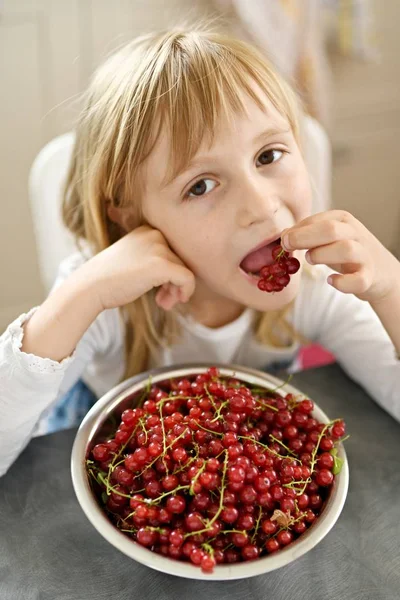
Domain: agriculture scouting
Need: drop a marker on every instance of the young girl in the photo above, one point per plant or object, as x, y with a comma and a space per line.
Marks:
186, 170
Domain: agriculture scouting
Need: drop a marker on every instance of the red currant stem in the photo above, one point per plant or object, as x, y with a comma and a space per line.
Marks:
95, 475
158, 500
160, 405
210, 397
294, 402
218, 411
112, 467
314, 453
281, 253
346, 437
174, 396
303, 489
157, 457
245, 437
158, 529
118, 455
186, 465
253, 537
243, 531
235, 386
142, 424
218, 455
208, 548
294, 484
274, 439
258, 390
145, 393
133, 530
229, 545
272, 390
212, 539
120, 451
321, 435
195, 478
265, 405
209, 430
221, 498
221, 502
110, 487
288, 380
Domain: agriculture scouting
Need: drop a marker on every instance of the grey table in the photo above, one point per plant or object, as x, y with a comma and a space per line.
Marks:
50, 551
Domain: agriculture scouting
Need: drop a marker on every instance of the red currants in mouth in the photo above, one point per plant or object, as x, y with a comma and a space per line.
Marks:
275, 277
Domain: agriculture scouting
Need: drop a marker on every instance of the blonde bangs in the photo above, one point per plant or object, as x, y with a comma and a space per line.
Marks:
198, 80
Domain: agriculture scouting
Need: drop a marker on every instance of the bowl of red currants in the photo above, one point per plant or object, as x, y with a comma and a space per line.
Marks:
210, 472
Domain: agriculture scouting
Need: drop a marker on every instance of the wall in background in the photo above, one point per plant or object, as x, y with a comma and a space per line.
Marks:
366, 131
48, 50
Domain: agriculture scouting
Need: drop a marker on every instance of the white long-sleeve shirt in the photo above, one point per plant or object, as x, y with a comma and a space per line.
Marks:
346, 326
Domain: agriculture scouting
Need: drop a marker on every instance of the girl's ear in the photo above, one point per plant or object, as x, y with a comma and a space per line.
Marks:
120, 216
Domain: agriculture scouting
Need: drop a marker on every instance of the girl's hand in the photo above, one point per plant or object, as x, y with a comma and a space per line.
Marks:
138, 262
337, 239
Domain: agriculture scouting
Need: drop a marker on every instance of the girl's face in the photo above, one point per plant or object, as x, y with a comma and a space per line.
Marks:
236, 195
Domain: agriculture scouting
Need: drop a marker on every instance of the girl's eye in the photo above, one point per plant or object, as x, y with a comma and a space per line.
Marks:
201, 187
270, 156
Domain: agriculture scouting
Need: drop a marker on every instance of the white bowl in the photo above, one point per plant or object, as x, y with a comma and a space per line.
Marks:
99, 413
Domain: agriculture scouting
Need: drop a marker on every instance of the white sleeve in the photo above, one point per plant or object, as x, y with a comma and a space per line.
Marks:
351, 330
30, 384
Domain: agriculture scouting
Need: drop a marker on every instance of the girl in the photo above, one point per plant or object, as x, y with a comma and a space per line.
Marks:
186, 170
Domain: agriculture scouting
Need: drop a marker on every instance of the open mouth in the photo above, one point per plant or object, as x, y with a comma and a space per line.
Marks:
257, 259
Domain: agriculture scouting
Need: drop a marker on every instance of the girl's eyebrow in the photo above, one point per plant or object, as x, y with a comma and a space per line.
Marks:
271, 132
199, 161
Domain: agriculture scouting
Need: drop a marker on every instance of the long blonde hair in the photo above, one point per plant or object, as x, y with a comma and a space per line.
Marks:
185, 80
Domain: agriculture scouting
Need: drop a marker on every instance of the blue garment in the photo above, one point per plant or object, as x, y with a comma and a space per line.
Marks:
70, 410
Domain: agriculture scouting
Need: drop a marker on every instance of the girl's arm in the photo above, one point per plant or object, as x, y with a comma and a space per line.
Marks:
388, 311
41, 357
56, 327
352, 331
113, 278
29, 384
364, 336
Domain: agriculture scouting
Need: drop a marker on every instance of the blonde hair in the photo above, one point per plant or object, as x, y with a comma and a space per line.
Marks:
184, 79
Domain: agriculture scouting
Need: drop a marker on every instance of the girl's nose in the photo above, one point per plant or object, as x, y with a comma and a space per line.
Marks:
256, 203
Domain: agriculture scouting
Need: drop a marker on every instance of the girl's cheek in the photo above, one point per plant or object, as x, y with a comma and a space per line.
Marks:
302, 199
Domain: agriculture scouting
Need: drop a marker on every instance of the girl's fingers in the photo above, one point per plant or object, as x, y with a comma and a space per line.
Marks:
329, 215
182, 278
176, 274
339, 253
352, 283
163, 297
315, 234
169, 295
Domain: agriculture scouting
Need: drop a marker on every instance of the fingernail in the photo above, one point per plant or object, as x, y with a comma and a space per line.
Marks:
330, 280
308, 258
285, 242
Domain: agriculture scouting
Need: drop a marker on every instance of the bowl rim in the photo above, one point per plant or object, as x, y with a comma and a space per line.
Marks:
105, 406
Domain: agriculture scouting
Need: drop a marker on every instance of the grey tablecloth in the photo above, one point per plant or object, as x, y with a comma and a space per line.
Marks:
50, 551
